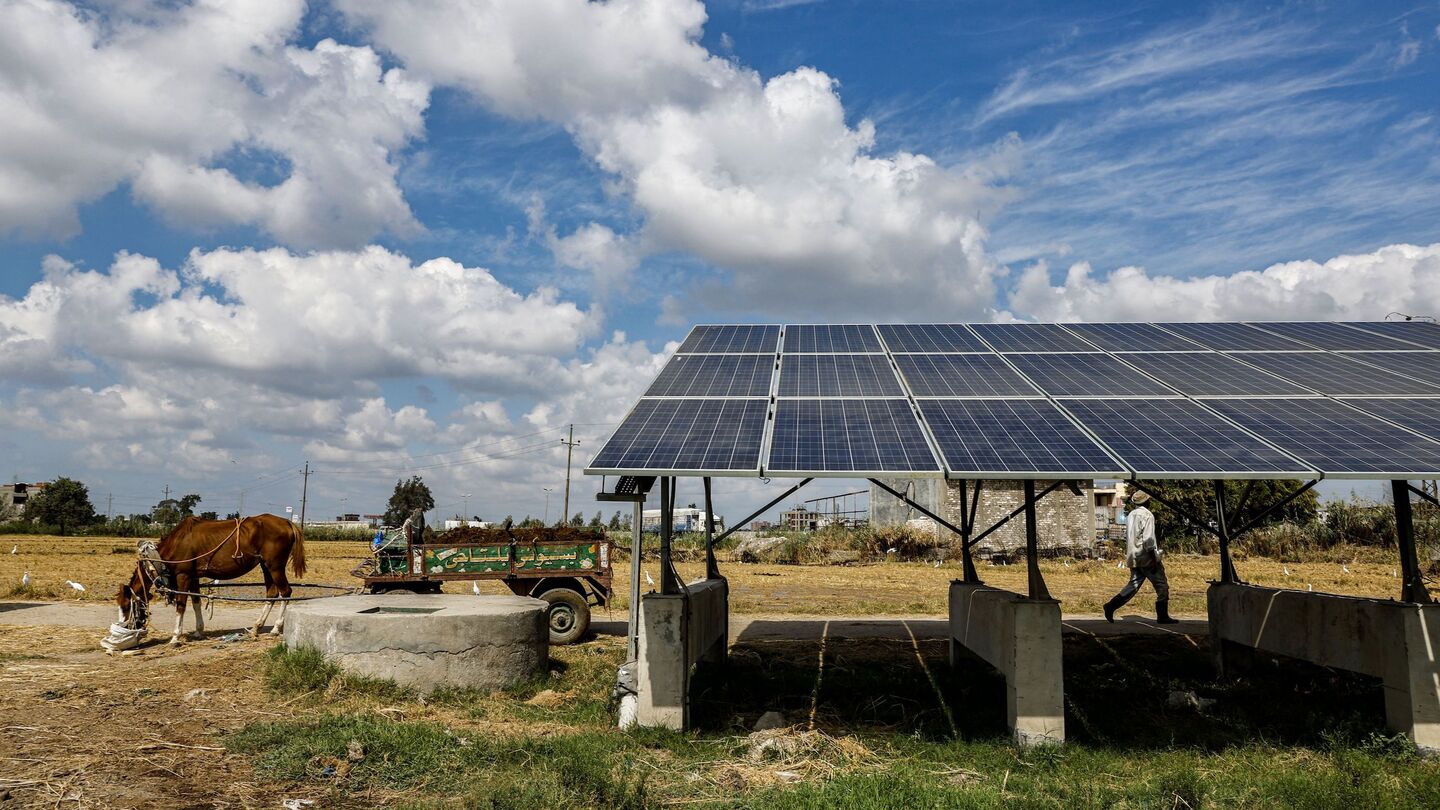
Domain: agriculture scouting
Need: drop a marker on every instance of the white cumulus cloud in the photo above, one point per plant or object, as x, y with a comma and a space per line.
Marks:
176, 103
762, 177
1396, 278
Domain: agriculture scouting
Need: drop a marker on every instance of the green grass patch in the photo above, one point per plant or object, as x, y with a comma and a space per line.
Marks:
301, 670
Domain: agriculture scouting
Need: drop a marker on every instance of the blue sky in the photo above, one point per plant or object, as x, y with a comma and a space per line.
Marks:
391, 237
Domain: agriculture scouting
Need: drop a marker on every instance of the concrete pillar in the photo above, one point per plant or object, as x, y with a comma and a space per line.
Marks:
1397, 642
1020, 638
678, 631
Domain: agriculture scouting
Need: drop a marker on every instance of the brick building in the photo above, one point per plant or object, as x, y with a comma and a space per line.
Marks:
1066, 520
14, 497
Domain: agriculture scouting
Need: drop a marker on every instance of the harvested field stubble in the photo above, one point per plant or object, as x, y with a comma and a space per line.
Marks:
894, 588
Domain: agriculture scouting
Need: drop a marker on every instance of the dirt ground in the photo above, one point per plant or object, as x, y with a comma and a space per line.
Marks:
894, 588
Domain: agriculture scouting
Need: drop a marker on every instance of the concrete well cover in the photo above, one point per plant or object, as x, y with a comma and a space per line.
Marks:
427, 641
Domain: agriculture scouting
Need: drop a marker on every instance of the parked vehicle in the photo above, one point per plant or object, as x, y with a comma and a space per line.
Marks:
566, 567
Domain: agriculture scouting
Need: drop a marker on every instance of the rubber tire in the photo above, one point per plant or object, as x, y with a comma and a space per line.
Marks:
568, 616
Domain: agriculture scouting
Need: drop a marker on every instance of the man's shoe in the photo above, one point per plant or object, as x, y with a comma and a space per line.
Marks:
1162, 614
1109, 613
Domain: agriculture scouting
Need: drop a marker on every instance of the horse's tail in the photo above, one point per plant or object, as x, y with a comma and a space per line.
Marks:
297, 551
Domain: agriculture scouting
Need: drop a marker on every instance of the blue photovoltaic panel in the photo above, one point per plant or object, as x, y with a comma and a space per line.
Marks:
930, 337
1030, 337
1132, 337
1206, 374
1335, 439
721, 339
1086, 375
1421, 365
1421, 333
995, 436
1337, 375
687, 434
838, 375
1172, 437
1233, 337
962, 375
1420, 415
1332, 336
831, 338
848, 435
715, 375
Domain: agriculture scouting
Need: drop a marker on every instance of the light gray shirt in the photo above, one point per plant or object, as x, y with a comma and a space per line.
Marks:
1139, 534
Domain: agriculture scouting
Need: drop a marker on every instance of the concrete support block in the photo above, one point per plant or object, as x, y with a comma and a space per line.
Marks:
678, 631
1020, 637
1397, 642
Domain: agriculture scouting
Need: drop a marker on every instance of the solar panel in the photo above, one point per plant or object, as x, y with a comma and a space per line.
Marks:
1421, 365
1338, 440
854, 436
962, 375
686, 434
1178, 438
1420, 415
989, 436
1132, 337
1030, 337
1421, 333
714, 375
1232, 337
1083, 375
721, 339
1332, 336
933, 337
1206, 374
1337, 375
831, 338
838, 375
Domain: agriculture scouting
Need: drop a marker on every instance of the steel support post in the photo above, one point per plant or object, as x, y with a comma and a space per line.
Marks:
1227, 566
637, 541
668, 585
967, 523
1412, 588
1032, 544
712, 570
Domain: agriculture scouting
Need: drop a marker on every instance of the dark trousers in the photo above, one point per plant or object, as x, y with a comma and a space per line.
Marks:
1155, 573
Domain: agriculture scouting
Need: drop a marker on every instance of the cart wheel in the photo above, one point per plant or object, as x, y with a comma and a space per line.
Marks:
569, 615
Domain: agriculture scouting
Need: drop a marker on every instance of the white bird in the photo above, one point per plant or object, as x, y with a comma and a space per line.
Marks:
14, 549
25, 580
937, 563
1309, 587
1345, 568
475, 586
890, 550
1286, 569
1067, 563
75, 586
649, 580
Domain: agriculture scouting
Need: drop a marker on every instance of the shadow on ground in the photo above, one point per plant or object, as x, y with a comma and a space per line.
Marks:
1149, 690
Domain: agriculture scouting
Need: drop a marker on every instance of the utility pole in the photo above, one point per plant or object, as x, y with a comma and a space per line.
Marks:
548, 490
109, 504
569, 452
167, 492
304, 493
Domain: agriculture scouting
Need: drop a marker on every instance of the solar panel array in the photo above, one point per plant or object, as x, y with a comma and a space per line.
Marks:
1179, 400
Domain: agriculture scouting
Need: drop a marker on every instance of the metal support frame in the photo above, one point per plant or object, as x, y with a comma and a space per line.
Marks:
712, 569
668, 583
968, 524
1412, 583
762, 510
637, 540
1227, 566
1032, 544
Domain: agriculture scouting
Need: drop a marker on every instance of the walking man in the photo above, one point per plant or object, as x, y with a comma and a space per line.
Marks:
1142, 555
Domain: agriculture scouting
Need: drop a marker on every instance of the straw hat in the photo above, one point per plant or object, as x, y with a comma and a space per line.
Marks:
1139, 497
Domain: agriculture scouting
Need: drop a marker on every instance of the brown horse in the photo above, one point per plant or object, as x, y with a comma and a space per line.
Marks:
219, 549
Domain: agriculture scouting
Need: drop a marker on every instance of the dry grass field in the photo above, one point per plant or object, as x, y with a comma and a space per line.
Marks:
893, 588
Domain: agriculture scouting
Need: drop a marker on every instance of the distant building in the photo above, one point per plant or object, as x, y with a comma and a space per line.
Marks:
1110, 503
1064, 519
461, 523
687, 519
800, 519
14, 497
